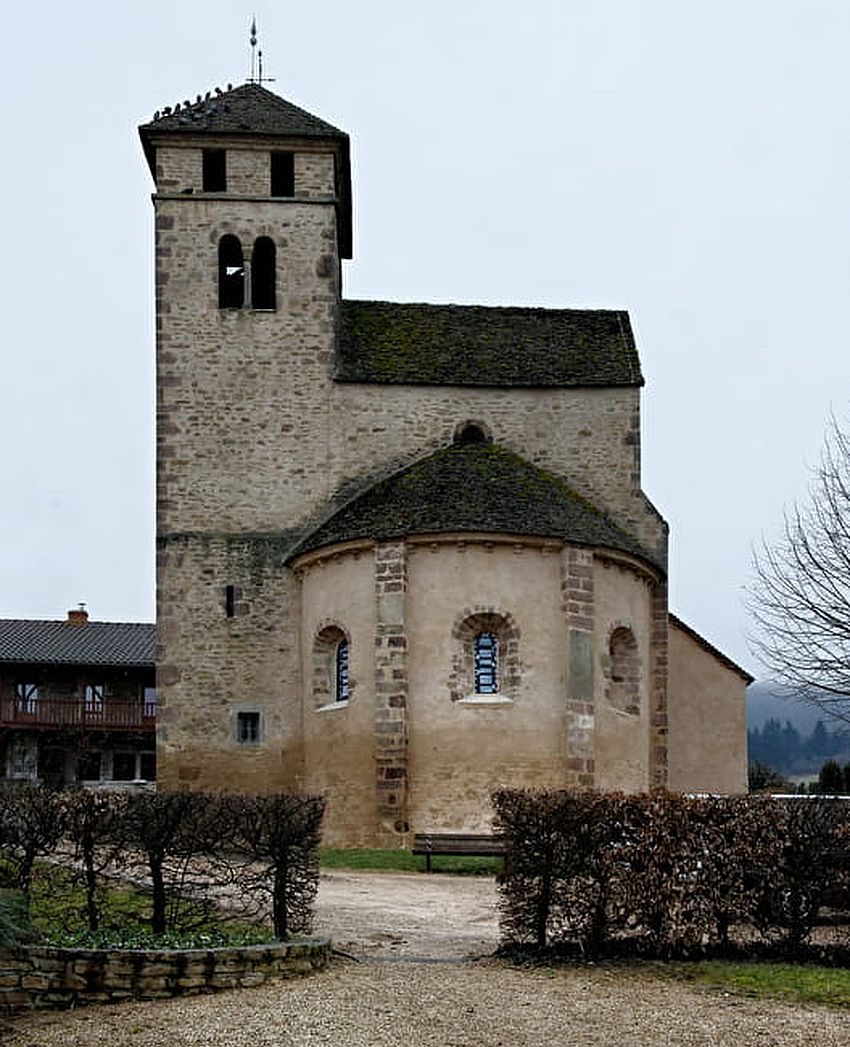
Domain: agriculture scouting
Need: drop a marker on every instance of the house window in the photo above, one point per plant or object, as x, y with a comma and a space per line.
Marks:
93, 698
331, 654
22, 760
231, 273
26, 698
263, 274
214, 174
486, 658
248, 728
149, 702
283, 174
89, 766
147, 767
123, 767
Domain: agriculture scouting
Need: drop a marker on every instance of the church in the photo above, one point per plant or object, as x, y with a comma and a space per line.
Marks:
403, 553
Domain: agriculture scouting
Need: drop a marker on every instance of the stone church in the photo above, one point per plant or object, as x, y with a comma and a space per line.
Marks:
404, 556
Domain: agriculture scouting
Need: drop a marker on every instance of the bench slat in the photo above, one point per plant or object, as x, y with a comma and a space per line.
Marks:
479, 845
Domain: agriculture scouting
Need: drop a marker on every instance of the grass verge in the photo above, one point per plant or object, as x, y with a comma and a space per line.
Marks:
796, 983
403, 861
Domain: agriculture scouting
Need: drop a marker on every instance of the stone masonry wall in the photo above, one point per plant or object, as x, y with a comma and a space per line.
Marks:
211, 666
43, 977
247, 166
577, 590
391, 729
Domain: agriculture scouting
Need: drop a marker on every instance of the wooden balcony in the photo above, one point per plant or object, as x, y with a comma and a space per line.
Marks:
108, 715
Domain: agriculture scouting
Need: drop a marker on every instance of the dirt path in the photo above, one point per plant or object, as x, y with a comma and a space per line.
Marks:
395, 923
396, 915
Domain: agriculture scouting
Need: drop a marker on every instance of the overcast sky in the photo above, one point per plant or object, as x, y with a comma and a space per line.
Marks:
687, 162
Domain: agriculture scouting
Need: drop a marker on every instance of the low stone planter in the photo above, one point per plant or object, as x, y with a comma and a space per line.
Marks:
43, 976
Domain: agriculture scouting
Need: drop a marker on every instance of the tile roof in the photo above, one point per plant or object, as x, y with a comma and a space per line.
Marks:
91, 643
247, 109
472, 487
398, 343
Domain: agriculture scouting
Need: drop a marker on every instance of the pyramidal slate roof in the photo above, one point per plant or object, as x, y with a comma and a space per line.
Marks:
471, 487
68, 643
252, 110
398, 343
247, 109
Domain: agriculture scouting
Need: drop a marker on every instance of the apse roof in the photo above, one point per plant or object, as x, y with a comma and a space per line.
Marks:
472, 487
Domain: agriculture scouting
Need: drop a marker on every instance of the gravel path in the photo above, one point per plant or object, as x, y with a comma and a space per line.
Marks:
393, 996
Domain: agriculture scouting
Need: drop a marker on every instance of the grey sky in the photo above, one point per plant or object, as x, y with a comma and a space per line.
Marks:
688, 162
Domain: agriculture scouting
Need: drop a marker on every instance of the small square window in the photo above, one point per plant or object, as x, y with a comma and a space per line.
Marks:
248, 728
214, 171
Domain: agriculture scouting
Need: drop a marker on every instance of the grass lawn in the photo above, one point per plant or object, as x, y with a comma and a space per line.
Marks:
403, 861
796, 983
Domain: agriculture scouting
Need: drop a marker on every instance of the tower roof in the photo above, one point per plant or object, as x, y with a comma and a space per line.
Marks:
420, 344
474, 487
251, 110
247, 109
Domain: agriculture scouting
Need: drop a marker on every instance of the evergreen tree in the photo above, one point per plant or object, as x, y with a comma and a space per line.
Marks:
830, 779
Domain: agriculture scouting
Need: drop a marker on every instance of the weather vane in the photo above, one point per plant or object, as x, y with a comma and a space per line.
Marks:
257, 58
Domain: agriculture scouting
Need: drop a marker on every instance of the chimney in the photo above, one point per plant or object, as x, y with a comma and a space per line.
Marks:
79, 616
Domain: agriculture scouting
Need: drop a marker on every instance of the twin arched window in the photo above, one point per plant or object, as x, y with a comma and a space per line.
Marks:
242, 283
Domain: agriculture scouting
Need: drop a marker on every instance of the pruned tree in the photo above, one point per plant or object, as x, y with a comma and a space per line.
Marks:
279, 835
800, 599
177, 838
92, 827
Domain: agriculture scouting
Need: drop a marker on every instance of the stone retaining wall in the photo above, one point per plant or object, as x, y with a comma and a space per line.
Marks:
41, 976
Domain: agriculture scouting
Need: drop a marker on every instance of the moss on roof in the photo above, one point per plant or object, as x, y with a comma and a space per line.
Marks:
391, 342
471, 487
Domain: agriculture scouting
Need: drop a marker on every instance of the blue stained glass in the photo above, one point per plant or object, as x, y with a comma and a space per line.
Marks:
486, 651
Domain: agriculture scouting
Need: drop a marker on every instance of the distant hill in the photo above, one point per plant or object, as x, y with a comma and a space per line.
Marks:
763, 705
793, 737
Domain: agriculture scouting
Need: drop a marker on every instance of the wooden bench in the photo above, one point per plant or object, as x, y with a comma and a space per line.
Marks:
479, 845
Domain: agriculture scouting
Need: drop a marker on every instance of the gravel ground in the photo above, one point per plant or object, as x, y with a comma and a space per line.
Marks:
448, 1000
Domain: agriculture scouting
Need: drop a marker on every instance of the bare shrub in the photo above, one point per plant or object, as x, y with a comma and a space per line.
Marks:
31, 824
279, 836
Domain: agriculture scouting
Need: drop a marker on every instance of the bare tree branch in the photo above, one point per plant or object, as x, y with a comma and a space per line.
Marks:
800, 598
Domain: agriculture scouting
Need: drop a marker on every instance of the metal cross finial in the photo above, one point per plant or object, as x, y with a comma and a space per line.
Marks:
257, 58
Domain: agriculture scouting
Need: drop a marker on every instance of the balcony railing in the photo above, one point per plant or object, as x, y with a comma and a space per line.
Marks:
110, 714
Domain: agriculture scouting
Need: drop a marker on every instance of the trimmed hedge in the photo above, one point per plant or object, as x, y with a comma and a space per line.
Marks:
668, 875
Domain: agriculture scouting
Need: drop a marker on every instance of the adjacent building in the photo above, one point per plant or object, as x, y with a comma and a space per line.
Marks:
77, 701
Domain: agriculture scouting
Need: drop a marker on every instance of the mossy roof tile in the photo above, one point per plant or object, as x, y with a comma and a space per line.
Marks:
422, 344
466, 488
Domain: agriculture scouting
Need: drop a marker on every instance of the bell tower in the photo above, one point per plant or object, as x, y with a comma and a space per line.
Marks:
252, 208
